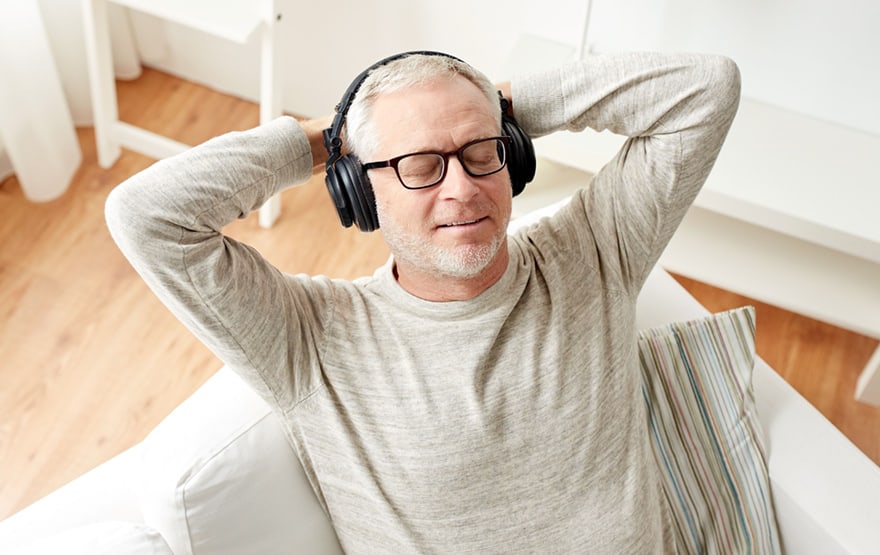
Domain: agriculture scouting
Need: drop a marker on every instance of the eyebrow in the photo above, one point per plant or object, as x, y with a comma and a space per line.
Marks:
430, 150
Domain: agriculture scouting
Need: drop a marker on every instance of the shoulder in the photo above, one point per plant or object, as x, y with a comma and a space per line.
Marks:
557, 220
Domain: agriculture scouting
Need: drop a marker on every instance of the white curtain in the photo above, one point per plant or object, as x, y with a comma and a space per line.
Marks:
36, 128
44, 91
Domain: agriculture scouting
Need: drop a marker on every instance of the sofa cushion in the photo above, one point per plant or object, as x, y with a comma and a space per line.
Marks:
220, 477
103, 538
707, 438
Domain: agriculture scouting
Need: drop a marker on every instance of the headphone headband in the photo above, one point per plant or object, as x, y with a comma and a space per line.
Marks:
333, 135
350, 187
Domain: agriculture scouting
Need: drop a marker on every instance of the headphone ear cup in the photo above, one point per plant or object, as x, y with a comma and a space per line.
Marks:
358, 204
521, 163
339, 196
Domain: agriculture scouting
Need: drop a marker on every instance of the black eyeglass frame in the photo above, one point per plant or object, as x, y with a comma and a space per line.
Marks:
393, 162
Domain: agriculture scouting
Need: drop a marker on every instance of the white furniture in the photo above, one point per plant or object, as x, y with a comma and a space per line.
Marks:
788, 216
37, 136
235, 21
218, 475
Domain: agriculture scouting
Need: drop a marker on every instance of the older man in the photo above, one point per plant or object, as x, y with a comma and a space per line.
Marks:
480, 392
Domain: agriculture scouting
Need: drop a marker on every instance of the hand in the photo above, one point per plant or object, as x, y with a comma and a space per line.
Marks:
505, 92
314, 129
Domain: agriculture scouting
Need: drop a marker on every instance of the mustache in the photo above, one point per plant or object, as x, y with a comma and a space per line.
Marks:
464, 213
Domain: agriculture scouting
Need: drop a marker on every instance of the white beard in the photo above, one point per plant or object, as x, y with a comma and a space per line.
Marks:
465, 261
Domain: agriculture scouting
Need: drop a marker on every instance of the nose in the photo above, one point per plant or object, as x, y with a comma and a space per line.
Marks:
457, 184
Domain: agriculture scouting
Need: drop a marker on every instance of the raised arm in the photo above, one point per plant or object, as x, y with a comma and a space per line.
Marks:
676, 110
167, 220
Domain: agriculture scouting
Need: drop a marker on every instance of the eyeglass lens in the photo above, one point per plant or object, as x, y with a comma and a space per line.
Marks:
478, 159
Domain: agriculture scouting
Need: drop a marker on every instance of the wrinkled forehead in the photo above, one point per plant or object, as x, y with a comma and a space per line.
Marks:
442, 114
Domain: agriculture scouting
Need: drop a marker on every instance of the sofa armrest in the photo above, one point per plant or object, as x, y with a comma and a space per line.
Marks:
826, 491
219, 476
103, 494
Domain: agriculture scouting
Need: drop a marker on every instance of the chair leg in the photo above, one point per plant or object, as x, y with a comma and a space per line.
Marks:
103, 88
868, 386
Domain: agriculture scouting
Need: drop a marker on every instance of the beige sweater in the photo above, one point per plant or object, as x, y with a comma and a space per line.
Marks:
510, 423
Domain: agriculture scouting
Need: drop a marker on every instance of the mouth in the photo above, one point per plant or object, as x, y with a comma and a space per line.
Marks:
463, 223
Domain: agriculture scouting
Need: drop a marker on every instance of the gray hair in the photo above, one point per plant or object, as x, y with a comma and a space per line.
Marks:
403, 73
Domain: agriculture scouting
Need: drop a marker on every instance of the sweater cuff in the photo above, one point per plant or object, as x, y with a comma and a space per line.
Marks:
291, 153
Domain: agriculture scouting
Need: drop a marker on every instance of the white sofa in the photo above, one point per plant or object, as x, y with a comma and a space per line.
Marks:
218, 476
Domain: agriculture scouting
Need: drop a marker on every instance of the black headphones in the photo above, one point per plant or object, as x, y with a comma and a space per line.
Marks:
348, 184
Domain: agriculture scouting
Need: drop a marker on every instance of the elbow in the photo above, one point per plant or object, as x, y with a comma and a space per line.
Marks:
117, 212
114, 210
727, 81
126, 214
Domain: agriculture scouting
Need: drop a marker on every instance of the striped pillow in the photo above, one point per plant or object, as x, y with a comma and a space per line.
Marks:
707, 438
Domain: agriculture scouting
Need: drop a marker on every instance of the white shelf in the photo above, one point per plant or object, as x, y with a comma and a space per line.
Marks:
809, 279
806, 278
801, 176
779, 170
234, 21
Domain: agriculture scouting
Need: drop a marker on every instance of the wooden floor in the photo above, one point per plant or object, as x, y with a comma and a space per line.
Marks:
90, 361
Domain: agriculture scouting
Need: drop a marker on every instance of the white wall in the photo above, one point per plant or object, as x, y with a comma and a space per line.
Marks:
812, 57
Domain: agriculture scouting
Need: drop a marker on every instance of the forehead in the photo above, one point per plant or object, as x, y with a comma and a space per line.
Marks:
441, 114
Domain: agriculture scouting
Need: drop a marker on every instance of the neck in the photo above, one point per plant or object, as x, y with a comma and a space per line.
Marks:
442, 288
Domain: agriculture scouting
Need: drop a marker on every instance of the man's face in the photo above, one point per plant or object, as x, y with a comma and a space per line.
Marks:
458, 227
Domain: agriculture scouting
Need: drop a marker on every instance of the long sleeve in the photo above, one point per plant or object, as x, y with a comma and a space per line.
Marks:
676, 110
167, 220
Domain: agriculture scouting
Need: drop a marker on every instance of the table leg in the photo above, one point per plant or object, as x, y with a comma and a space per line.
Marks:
868, 386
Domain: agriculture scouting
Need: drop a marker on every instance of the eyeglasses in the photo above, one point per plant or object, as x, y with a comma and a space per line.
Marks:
420, 170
